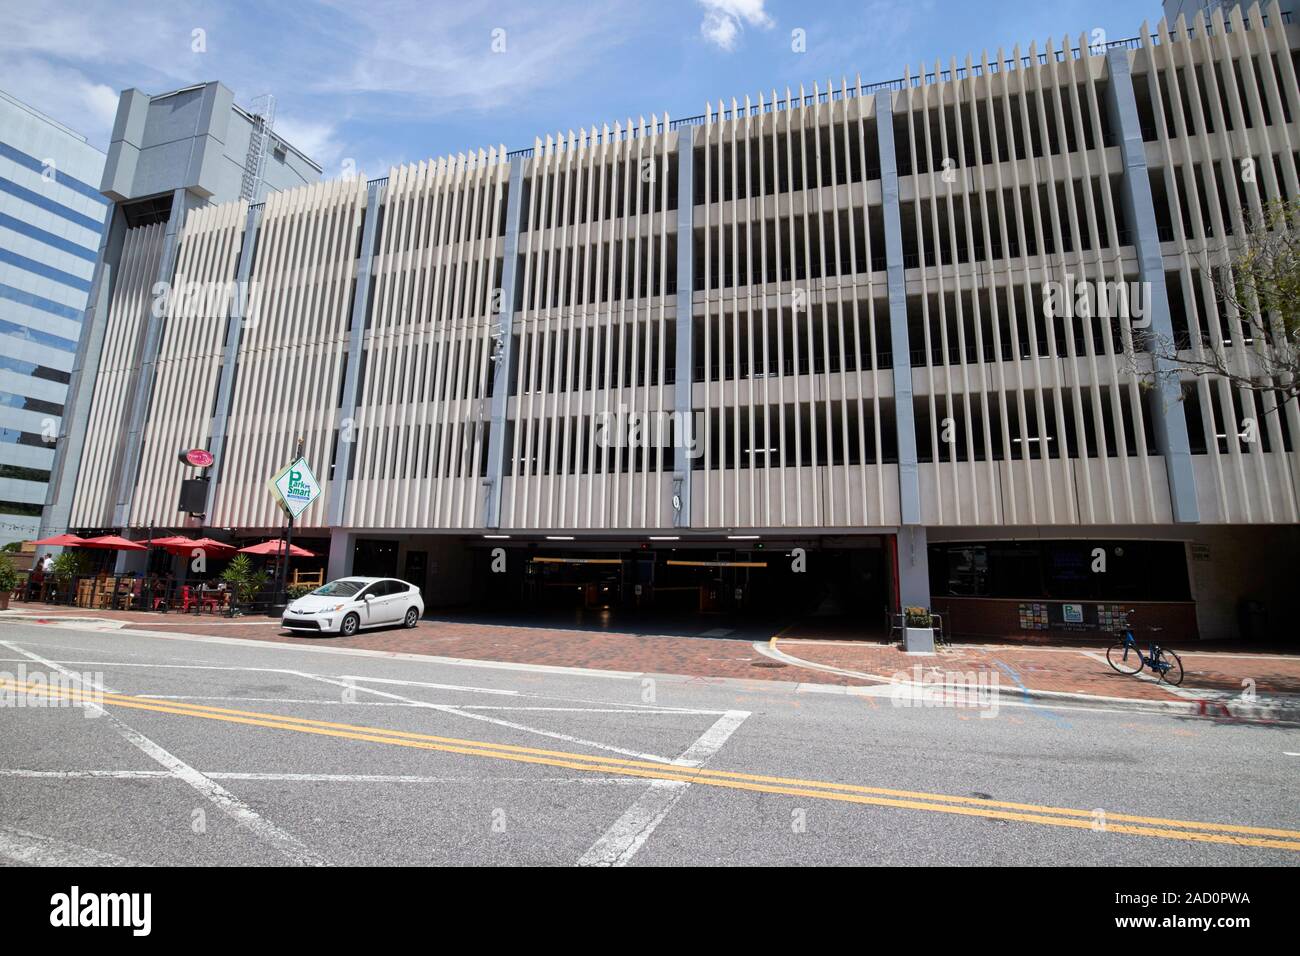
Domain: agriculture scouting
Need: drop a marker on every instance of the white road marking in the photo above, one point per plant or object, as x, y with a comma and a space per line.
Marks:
417, 778
649, 708
34, 849
88, 774
228, 803
308, 777
432, 686
629, 833
273, 700
657, 712
512, 725
777, 655
394, 703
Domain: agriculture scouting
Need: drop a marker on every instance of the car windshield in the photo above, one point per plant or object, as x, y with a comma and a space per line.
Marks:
342, 588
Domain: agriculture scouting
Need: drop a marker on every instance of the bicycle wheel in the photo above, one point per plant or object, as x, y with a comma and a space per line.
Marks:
1124, 657
1173, 673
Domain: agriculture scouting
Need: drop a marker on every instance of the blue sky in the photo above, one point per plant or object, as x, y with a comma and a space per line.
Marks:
380, 82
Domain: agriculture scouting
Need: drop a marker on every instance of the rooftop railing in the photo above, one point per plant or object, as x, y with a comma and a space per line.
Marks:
894, 85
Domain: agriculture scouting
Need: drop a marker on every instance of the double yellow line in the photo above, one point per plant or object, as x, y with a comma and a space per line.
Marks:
1189, 830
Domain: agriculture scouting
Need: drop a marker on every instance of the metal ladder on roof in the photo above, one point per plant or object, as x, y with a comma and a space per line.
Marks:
263, 110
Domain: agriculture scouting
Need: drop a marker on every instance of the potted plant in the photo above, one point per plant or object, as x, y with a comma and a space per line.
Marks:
8, 580
66, 568
918, 630
244, 580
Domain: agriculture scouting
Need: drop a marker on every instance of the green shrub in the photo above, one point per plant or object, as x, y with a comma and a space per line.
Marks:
8, 574
243, 579
296, 591
69, 565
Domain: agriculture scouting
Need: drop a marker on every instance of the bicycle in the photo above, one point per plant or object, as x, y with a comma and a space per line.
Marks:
1127, 658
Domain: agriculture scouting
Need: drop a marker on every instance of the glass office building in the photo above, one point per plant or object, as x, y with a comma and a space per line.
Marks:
51, 217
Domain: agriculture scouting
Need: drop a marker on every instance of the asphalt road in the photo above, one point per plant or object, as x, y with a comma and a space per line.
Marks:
211, 751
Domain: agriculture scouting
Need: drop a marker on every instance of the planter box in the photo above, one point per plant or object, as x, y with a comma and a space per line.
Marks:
918, 640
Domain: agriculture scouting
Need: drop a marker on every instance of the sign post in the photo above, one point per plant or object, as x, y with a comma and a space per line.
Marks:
294, 489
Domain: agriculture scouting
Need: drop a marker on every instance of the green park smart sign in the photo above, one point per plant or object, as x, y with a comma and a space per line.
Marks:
295, 488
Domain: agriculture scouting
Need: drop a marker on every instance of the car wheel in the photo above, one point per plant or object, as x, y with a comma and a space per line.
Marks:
412, 617
349, 626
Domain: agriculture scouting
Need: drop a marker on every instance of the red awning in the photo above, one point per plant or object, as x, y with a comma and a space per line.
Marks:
276, 547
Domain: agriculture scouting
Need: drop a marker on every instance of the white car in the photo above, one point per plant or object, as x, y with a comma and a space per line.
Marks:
347, 605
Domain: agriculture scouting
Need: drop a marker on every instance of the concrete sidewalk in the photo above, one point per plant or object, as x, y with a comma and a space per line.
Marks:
1218, 683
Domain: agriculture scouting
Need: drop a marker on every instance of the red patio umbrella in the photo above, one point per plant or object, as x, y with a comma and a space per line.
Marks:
175, 541
112, 542
177, 544
276, 547
61, 541
211, 544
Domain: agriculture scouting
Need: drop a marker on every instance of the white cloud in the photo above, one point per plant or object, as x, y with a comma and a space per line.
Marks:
318, 139
724, 19
470, 58
63, 93
342, 72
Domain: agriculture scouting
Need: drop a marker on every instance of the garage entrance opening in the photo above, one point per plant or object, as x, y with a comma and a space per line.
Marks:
375, 557
736, 592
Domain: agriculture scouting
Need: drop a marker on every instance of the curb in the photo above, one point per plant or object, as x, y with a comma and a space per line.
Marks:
1265, 709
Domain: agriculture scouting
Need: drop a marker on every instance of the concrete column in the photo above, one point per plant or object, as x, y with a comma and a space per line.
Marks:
909, 487
230, 360
340, 561
81, 385
338, 484
684, 360
1170, 419
913, 567
503, 335
142, 383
